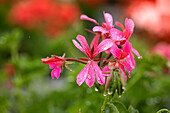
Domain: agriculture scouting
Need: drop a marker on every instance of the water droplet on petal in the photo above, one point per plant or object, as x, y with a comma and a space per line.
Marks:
89, 77
96, 89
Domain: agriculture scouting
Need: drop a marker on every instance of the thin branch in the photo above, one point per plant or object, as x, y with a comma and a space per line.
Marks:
72, 59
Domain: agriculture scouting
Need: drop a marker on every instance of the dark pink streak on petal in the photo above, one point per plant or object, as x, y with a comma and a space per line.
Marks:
126, 50
84, 44
94, 42
85, 17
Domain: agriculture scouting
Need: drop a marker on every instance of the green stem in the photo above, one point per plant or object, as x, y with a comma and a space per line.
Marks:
163, 110
104, 104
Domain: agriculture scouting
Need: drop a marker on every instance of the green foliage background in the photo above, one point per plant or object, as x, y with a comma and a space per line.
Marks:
33, 90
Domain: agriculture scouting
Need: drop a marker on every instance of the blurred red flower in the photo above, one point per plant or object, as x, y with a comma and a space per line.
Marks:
152, 16
48, 15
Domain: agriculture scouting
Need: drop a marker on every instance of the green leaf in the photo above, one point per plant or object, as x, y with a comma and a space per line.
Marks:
113, 108
121, 107
132, 110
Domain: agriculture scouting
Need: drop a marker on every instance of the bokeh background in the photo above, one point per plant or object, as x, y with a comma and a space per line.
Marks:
34, 29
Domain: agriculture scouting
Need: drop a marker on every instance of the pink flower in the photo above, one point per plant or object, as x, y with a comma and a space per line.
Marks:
121, 55
109, 24
121, 65
91, 69
85, 17
55, 64
118, 35
125, 55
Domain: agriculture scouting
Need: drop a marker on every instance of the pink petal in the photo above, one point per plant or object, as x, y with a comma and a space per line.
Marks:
51, 60
56, 72
94, 42
85, 17
122, 68
99, 29
99, 75
130, 60
109, 20
116, 52
104, 45
84, 44
83, 74
117, 35
53, 65
78, 46
120, 25
126, 50
129, 24
90, 79
105, 69
127, 66
136, 53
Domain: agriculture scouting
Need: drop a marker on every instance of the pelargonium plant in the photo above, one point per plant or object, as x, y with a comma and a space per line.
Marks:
109, 57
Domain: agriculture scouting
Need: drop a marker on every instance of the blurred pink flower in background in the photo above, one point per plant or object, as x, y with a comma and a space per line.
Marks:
162, 49
48, 15
152, 16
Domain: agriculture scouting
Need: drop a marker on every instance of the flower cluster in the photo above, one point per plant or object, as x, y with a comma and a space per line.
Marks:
50, 15
107, 39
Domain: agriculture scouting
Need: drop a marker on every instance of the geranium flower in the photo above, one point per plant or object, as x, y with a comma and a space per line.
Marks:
91, 69
126, 32
55, 64
120, 55
102, 29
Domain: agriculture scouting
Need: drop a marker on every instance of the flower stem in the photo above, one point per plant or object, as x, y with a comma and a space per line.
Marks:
72, 59
104, 104
107, 57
